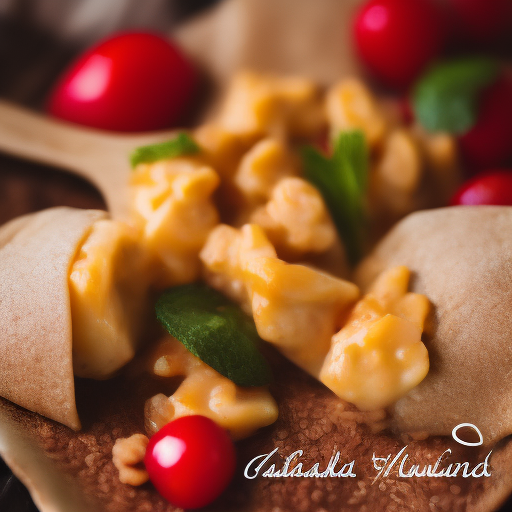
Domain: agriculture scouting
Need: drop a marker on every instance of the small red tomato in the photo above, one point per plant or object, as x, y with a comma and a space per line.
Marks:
190, 461
398, 38
492, 187
489, 143
133, 81
483, 20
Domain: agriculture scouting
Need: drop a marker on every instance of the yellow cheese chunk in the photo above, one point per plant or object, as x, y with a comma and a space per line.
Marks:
296, 219
397, 174
225, 255
378, 356
107, 303
173, 201
205, 391
350, 106
297, 308
262, 167
220, 149
259, 105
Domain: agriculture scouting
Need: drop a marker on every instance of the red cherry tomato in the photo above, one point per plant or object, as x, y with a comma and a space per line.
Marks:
190, 461
492, 187
133, 81
483, 20
489, 143
398, 38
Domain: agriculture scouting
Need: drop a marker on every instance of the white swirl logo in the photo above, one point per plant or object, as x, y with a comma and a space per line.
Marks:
465, 443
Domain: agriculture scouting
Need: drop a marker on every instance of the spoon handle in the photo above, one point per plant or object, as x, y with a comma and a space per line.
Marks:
100, 157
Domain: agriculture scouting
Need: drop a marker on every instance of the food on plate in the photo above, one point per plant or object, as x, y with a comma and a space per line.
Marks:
461, 259
248, 230
130, 82
263, 260
241, 410
378, 356
173, 206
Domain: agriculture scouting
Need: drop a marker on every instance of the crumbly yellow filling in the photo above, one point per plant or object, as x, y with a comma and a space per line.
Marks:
239, 215
204, 391
108, 298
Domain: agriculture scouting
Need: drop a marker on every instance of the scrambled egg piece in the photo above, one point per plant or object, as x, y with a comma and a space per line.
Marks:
257, 106
442, 158
205, 391
378, 355
296, 219
107, 303
225, 255
128, 457
220, 148
294, 307
374, 359
350, 105
397, 174
173, 202
262, 167
297, 308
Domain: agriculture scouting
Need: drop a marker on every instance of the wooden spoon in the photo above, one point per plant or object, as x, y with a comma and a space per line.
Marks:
100, 157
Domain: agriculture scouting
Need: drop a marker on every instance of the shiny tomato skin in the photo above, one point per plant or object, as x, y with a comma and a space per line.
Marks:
482, 20
190, 461
489, 188
396, 39
132, 81
489, 143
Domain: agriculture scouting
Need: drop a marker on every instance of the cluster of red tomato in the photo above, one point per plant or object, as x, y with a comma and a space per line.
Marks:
398, 39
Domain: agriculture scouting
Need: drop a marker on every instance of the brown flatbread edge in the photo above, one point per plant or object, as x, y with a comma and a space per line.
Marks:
60, 466
36, 367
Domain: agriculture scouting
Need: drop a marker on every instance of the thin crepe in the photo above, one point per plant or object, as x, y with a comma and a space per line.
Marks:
461, 259
36, 252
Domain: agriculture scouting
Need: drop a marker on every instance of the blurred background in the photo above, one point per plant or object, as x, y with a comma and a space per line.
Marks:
38, 38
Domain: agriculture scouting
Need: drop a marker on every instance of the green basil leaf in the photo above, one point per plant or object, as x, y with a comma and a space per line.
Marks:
446, 98
342, 181
215, 330
182, 144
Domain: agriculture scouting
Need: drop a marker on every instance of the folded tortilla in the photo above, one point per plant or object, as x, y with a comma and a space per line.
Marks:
461, 259
36, 367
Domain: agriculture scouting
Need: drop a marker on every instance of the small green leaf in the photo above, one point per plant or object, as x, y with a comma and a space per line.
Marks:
342, 181
215, 330
446, 98
182, 144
